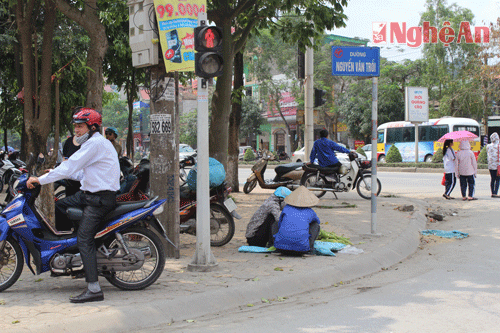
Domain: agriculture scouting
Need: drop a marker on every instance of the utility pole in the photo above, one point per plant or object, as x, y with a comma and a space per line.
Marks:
164, 117
164, 157
308, 103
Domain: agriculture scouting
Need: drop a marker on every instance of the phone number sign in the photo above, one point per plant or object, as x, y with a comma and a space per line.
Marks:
161, 124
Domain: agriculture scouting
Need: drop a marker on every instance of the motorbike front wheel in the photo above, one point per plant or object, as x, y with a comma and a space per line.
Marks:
11, 263
221, 225
364, 186
147, 241
312, 180
249, 186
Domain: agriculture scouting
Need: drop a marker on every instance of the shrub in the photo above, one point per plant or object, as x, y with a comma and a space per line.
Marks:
361, 151
438, 156
483, 156
393, 155
249, 155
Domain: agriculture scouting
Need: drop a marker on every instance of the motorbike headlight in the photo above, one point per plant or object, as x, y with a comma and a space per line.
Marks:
158, 210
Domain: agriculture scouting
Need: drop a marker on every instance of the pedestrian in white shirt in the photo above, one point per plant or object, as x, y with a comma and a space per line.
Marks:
449, 160
96, 166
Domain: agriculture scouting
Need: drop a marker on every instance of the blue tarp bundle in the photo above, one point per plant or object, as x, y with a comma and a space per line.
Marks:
445, 234
320, 248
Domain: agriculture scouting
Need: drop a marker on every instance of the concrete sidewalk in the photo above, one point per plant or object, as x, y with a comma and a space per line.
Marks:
40, 303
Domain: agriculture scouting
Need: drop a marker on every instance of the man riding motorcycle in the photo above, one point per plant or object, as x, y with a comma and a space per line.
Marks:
324, 149
96, 166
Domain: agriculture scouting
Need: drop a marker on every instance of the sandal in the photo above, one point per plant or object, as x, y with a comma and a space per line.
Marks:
470, 199
464, 199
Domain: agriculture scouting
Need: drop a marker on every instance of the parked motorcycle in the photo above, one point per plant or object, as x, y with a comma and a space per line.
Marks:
288, 175
222, 208
6, 169
129, 255
321, 180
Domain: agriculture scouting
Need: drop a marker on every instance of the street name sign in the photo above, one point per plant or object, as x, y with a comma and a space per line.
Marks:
355, 61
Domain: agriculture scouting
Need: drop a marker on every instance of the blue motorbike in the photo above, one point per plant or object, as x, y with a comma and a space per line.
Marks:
130, 253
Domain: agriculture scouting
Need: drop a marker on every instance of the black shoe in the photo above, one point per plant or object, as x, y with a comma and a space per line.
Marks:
87, 296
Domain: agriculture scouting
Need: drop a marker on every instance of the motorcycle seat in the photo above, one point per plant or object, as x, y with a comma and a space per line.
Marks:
323, 170
76, 214
286, 168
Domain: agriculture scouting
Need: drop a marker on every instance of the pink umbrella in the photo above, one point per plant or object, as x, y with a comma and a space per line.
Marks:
458, 136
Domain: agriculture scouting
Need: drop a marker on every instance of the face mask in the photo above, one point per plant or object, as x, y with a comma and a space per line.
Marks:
81, 139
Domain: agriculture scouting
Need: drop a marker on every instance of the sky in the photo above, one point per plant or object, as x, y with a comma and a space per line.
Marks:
361, 14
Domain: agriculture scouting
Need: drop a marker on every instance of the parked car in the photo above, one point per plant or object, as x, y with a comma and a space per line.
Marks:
368, 151
298, 155
186, 150
243, 150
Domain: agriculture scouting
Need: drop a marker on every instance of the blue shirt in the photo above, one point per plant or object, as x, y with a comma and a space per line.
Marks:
324, 149
293, 233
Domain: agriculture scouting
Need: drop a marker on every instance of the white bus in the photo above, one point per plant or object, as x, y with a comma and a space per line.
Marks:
402, 134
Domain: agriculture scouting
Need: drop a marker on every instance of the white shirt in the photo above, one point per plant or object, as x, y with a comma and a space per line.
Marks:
95, 165
449, 161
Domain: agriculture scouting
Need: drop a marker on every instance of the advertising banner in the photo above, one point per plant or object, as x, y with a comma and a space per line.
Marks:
416, 104
176, 23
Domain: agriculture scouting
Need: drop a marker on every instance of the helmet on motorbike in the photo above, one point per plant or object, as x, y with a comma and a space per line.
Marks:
88, 116
282, 192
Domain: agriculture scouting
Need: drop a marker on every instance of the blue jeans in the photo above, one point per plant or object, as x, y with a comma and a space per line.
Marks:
467, 181
495, 181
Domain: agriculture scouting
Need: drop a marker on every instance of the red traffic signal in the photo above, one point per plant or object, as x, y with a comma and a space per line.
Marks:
207, 38
208, 59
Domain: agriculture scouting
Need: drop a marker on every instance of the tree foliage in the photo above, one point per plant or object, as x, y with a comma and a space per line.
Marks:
251, 118
393, 155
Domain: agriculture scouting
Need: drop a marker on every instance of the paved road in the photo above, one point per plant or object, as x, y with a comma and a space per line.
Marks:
416, 185
446, 286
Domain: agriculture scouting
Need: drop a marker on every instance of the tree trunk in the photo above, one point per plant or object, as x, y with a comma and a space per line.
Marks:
89, 20
37, 125
219, 119
234, 125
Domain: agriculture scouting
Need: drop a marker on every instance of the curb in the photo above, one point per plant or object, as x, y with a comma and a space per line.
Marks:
164, 312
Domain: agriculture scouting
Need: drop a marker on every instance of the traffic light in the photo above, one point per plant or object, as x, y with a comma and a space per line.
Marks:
318, 97
208, 59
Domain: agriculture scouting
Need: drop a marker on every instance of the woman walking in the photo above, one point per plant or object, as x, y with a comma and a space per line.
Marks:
493, 150
449, 161
466, 170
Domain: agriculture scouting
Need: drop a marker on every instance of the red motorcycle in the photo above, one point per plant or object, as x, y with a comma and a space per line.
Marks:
222, 208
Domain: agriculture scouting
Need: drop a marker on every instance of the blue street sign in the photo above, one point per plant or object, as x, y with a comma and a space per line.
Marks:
355, 61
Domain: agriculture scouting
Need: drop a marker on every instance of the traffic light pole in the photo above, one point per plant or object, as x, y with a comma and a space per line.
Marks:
203, 260
308, 103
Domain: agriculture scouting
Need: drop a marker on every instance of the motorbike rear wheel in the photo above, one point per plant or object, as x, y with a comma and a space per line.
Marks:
249, 186
364, 188
11, 263
310, 180
139, 238
221, 225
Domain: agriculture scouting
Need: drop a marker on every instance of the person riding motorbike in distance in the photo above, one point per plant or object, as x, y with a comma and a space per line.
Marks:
324, 150
96, 166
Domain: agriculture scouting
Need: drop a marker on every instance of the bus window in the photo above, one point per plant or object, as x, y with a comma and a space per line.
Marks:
408, 134
380, 136
423, 133
472, 129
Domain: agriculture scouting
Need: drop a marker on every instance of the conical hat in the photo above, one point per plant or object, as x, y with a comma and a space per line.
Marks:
302, 197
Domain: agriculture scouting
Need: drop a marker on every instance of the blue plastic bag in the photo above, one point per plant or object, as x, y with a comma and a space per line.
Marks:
217, 174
